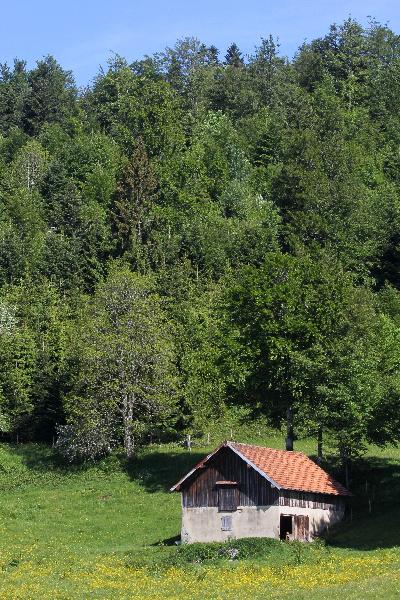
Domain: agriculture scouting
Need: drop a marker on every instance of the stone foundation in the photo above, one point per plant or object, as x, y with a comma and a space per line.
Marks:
210, 525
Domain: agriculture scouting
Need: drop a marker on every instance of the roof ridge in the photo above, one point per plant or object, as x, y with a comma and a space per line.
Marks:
228, 442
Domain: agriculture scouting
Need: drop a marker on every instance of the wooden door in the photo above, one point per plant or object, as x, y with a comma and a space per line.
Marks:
301, 527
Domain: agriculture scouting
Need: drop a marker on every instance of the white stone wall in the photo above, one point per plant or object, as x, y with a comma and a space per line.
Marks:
204, 524
320, 518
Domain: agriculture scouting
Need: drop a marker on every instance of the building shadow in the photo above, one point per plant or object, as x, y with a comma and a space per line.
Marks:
158, 471
373, 513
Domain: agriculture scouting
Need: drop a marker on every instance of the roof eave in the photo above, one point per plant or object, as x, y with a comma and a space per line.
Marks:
335, 494
177, 486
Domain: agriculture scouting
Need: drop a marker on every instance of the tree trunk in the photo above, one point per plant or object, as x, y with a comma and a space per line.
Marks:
346, 472
289, 424
129, 440
345, 465
319, 445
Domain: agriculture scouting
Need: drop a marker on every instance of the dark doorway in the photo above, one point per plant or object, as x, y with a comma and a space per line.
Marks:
286, 526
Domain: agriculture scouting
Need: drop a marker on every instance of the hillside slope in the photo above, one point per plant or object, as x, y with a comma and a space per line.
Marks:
108, 531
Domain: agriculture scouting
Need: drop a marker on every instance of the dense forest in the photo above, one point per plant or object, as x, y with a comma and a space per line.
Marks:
194, 232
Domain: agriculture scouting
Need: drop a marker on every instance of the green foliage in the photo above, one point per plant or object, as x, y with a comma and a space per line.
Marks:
203, 237
51, 96
316, 346
14, 89
123, 347
249, 549
32, 346
134, 199
242, 549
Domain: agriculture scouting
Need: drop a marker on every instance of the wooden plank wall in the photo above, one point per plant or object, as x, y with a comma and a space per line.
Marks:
308, 500
202, 490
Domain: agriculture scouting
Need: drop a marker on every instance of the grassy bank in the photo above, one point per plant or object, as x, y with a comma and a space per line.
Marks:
108, 531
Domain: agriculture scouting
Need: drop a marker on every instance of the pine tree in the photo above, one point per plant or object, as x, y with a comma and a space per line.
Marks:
134, 195
233, 56
51, 97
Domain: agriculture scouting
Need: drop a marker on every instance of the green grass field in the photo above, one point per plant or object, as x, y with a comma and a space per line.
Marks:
107, 532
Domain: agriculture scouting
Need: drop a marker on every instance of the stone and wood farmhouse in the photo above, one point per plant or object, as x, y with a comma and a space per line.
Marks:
251, 491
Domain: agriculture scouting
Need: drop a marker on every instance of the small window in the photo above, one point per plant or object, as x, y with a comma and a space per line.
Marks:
227, 498
226, 523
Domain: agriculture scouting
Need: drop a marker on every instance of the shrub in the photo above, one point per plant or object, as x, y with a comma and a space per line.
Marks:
244, 548
81, 443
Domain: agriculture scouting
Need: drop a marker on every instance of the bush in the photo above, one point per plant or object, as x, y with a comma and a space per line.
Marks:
83, 443
240, 549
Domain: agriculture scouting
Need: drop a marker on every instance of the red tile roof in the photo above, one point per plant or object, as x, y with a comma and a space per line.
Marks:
290, 470
285, 470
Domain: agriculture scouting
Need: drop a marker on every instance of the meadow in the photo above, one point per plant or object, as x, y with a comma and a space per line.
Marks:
109, 530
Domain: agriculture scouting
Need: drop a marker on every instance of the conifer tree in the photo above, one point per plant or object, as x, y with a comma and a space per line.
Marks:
233, 56
134, 195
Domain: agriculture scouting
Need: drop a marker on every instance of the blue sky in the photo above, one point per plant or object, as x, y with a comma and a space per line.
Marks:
82, 34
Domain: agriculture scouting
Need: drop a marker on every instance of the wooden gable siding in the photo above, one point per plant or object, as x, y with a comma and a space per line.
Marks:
202, 490
309, 500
